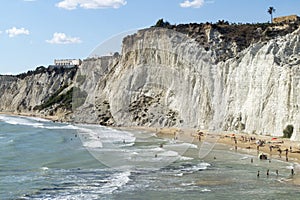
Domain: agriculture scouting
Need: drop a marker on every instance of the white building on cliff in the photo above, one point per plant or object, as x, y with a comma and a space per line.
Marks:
67, 62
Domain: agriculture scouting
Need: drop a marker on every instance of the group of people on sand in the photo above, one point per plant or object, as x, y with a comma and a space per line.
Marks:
261, 143
248, 139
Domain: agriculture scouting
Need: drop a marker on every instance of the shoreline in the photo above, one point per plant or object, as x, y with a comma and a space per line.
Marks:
237, 142
240, 140
223, 137
51, 118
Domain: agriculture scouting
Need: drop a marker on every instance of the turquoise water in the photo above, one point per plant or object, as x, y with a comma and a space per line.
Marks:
40, 159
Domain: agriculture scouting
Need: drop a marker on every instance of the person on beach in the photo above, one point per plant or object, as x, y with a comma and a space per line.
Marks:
286, 152
268, 172
280, 151
199, 135
251, 160
292, 172
277, 172
258, 173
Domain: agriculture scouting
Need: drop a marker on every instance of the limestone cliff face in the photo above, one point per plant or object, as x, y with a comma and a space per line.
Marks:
168, 78
92, 72
26, 92
165, 78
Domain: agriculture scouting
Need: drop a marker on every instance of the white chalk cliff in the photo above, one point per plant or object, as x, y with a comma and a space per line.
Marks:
25, 92
166, 78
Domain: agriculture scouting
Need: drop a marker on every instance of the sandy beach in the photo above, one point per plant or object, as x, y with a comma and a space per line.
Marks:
240, 140
244, 143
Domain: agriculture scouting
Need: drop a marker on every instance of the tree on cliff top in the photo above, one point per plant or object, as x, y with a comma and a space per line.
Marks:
271, 10
161, 23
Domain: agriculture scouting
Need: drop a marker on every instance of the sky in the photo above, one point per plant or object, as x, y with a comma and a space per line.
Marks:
35, 32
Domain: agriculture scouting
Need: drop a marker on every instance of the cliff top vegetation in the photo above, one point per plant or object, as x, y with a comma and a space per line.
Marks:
243, 35
42, 70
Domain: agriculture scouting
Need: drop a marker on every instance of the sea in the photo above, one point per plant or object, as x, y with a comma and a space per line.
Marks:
40, 159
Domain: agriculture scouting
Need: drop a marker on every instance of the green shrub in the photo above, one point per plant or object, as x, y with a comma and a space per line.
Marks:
288, 131
72, 98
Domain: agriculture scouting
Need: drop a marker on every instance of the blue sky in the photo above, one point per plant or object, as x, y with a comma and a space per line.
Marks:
35, 32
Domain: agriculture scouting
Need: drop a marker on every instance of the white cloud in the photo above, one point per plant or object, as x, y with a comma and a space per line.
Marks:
30, 0
61, 38
192, 4
90, 4
17, 31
